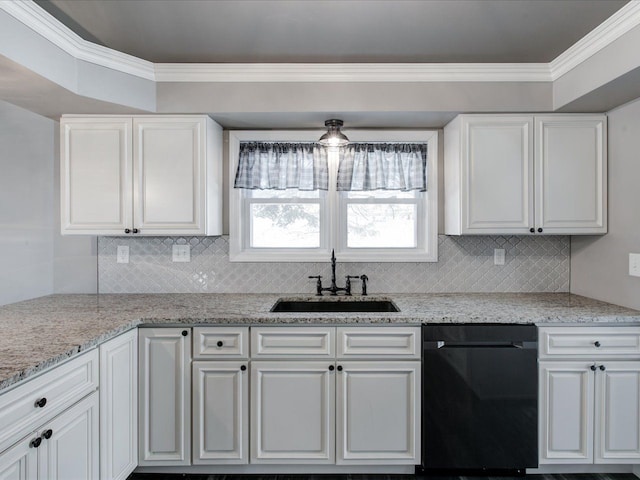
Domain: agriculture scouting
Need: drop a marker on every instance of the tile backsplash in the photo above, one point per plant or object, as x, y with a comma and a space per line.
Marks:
533, 264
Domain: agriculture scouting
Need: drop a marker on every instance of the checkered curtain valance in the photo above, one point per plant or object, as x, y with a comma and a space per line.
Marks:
383, 166
304, 166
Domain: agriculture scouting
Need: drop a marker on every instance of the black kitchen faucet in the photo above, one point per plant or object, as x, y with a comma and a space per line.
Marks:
334, 289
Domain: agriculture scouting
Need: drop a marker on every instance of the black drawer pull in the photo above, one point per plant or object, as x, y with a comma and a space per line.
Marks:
593, 368
220, 343
41, 403
331, 368
597, 344
603, 368
47, 434
243, 368
185, 333
339, 368
35, 443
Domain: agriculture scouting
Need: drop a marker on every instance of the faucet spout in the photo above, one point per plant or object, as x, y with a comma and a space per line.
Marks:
334, 287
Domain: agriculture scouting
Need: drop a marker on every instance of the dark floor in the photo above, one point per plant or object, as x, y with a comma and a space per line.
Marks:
582, 476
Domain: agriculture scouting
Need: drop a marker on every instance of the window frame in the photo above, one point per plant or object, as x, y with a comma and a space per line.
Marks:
333, 206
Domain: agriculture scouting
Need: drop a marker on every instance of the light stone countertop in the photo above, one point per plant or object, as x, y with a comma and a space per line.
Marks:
40, 333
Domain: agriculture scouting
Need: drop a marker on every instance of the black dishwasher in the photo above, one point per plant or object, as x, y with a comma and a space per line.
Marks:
479, 398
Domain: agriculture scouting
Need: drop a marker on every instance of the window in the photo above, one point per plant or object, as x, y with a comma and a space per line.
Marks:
269, 225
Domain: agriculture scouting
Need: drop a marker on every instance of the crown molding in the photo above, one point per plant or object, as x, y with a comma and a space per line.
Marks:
603, 35
44, 24
353, 72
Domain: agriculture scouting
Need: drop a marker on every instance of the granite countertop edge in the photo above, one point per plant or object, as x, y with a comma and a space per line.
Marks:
413, 313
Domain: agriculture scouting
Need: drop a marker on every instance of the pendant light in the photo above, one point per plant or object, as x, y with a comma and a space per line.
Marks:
334, 137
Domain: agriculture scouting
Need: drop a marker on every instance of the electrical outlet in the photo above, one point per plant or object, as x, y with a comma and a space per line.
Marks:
634, 264
181, 253
122, 255
498, 256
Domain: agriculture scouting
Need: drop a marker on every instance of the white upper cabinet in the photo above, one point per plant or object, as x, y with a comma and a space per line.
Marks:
571, 174
525, 174
96, 186
146, 175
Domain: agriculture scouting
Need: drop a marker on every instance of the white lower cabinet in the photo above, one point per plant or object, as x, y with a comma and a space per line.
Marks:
70, 445
164, 396
49, 426
119, 406
617, 419
566, 412
378, 415
220, 412
20, 462
589, 407
293, 412
65, 448
364, 410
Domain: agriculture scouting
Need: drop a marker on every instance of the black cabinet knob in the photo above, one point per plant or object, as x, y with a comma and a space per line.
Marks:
185, 333
41, 403
603, 368
532, 230
126, 230
220, 343
331, 368
593, 368
339, 368
47, 434
135, 230
539, 230
243, 367
35, 443
597, 344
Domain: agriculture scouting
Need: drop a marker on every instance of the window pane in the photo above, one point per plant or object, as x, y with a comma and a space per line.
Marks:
290, 193
383, 194
383, 225
291, 225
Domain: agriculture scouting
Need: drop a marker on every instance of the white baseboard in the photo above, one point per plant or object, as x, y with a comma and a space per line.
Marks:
282, 469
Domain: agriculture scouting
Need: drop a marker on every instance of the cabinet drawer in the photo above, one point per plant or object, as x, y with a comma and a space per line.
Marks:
385, 342
61, 387
589, 342
305, 342
220, 342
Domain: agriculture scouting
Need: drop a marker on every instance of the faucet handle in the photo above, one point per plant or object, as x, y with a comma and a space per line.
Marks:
364, 279
318, 284
347, 287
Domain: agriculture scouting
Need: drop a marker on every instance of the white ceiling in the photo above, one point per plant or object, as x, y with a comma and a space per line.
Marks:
310, 31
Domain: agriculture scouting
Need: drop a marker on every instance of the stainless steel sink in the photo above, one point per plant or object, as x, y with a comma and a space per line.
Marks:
334, 305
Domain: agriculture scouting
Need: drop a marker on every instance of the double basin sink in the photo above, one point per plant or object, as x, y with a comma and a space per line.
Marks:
341, 304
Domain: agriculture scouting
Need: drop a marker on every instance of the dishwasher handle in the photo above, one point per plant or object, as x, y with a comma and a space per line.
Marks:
441, 344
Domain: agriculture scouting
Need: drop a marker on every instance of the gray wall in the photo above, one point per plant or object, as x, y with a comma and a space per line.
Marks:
26, 204
600, 265
34, 259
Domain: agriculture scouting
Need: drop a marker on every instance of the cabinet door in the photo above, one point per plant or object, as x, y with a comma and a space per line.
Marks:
617, 428
497, 175
169, 175
71, 450
220, 413
164, 379
566, 412
571, 174
378, 413
20, 462
96, 175
119, 406
292, 412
